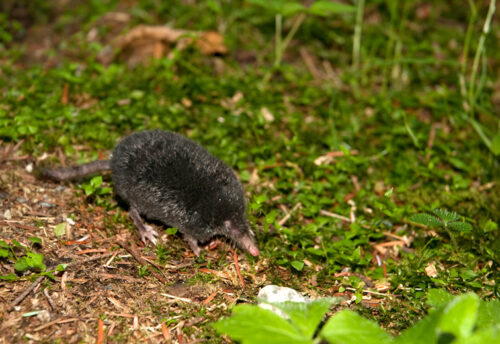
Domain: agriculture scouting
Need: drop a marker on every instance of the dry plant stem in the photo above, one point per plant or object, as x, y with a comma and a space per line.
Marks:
477, 56
356, 44
237, 266
141, 261
465, 53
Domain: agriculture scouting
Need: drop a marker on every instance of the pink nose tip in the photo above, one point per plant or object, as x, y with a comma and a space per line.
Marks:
254, 251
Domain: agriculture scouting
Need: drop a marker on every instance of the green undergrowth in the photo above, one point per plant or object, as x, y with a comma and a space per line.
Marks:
459, 319
271, 124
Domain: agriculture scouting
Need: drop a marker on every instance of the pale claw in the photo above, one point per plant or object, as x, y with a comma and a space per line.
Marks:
148, 234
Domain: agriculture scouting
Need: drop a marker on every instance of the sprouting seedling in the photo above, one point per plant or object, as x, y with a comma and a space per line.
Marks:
448, 220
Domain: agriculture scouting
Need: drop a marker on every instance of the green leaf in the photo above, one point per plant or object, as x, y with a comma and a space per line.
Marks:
10, 277
251, 324
445, 215
306, 315
495, 144
426, 219
96, 181
424, 331
460, 226
60, 229
488, 314
61, 267
460, 315
4, 253
21, 265
389, 192
297, 265
438, 297
326, 8
172, 230
49, 275
348, 327
245, 176
35, 240
483, 336
291, 8
32, 261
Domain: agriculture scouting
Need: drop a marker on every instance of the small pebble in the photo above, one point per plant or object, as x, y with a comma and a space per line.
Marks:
47, 205
44, 316
60, 188
21, 199
29, 167
274, 293
7, 215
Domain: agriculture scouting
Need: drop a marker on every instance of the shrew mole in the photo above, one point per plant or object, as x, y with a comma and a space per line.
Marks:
167, 177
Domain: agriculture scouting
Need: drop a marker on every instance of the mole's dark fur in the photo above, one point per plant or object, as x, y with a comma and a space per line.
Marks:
167, 177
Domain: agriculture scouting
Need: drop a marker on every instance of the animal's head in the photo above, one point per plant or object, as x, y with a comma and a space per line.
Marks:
242, 235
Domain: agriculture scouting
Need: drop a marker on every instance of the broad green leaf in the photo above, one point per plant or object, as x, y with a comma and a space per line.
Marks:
171, 230
61, 267
426, 219
4, 253
60, 229
489, 335
495, 144
274, 7
306, 315
254, 325
49, 275
96, 181
460, 226
291, 8
460, 315
326, 8
35, 240
348, 327
488, 314
10, 277
438, 297
297, 265
4, 244
36, 259
21, 265
424, 331
445, 215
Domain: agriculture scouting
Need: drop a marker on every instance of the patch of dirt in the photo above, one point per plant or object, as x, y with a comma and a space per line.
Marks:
102, 279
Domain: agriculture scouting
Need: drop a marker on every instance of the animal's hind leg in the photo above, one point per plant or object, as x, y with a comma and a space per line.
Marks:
145, 231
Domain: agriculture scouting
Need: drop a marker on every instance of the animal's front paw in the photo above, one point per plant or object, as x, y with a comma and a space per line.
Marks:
148, 233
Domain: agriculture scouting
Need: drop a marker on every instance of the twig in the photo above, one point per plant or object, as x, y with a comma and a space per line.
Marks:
289, 214
25, 293
183, 299
141, 261
49, 299
100, 332
165, 333
371, 292
336, 216
210, 298
237, 266
57, 321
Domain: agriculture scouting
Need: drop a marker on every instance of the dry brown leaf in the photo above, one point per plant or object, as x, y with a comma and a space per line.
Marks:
431, 270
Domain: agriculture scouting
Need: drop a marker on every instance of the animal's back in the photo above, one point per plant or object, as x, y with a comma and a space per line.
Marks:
164, 174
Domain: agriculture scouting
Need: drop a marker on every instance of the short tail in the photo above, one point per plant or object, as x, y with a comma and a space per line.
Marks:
76, 172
